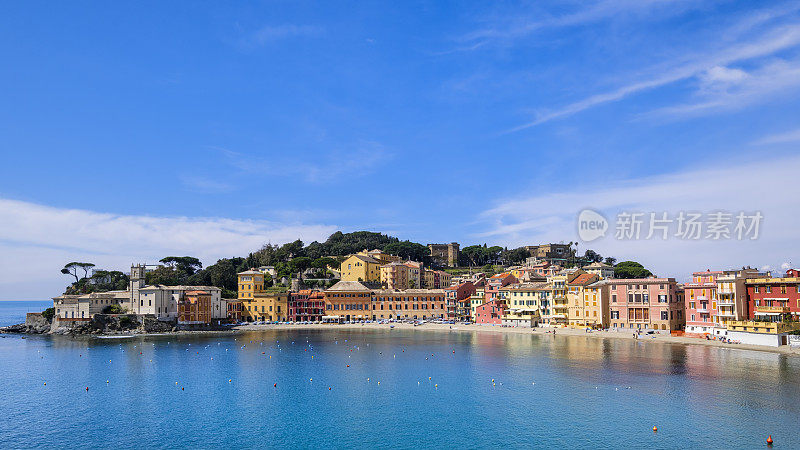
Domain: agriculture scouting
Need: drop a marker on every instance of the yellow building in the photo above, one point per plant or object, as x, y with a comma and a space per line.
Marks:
525, 303
395, 276
259, 305
361, 268
382, 258
266, 307
580, 311
250, 282
559, 306
414, 274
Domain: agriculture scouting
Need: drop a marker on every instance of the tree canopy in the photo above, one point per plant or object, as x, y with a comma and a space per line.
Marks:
631, 269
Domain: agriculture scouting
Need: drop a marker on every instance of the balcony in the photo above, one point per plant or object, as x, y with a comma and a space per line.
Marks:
703, 310
772, 309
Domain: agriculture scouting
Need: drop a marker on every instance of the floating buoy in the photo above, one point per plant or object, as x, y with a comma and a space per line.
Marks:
45, 384
492, 380
329, 389
87, 388
655, 428
310, 379
769, 440
348, 365
379, 383
430, 378
181, 388
106, 381
275, 385
229, 380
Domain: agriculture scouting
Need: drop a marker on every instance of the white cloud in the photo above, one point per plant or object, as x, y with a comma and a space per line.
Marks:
750, 186
723, 75
36, 241
735, 89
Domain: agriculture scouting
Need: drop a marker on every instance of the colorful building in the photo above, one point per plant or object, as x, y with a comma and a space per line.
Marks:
348, 301
234, 309
646, 304
701, 302
395, 275
266, 307
457, 300
579, 310
361, 268
195, 308
559, 311
414, 274
382, 258
409, 304
490, 313
306, 305
436, 279
774, 299
526, 306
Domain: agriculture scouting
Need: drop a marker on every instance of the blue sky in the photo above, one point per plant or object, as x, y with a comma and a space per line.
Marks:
132, 131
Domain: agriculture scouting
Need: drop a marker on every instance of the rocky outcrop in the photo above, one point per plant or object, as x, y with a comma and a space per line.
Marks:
35, 323
118, 324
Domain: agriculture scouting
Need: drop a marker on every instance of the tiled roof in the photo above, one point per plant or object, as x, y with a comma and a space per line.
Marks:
348, 286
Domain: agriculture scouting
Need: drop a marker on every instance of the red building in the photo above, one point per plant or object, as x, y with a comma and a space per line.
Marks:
490, 312
234, 310
772, 298
455, 297
306, 306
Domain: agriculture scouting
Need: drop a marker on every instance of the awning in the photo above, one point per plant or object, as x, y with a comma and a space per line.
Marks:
330, 317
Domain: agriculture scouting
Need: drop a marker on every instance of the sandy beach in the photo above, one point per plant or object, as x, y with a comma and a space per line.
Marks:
459, 328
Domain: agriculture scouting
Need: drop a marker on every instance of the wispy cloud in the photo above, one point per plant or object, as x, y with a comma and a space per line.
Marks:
273, 33
747, 186
204, 184
36, 241
515, 26
354, 160
733, 89
779, 39
780, 138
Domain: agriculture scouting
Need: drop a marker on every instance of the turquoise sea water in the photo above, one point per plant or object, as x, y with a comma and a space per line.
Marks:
13, 312
168, 392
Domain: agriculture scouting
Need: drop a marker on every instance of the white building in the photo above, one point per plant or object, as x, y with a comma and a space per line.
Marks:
159, 300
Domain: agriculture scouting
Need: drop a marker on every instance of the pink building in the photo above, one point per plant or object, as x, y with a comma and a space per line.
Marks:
646, 304
701, 302
490, 313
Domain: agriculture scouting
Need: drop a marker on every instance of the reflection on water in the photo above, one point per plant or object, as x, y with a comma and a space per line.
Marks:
311, 388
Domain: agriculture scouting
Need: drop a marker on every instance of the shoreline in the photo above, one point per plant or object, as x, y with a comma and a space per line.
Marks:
664, 339
459, 328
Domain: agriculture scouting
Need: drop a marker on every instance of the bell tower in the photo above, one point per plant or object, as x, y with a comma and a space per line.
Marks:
136, 283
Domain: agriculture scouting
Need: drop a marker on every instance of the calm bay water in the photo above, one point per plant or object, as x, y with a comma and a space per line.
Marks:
548, 391
13, 312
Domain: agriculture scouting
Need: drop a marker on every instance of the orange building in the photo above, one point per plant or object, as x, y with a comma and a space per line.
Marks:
194, 308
